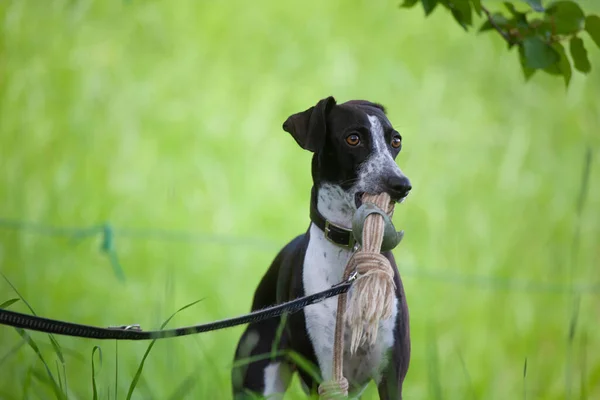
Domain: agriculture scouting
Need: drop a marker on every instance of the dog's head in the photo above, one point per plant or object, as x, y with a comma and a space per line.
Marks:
354, 146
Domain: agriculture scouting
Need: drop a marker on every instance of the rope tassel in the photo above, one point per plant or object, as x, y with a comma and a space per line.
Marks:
372, 294
372, 299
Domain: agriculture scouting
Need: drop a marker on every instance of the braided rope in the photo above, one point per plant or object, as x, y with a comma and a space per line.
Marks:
372, 299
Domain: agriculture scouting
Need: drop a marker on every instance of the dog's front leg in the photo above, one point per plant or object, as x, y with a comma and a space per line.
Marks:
390, 384
320, 324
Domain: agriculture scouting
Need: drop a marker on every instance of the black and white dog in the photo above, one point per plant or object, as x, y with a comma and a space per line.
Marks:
354, 146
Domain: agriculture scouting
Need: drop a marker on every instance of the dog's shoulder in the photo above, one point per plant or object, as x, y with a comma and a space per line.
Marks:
291, 260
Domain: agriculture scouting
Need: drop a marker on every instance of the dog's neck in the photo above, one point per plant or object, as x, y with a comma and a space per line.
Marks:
335, 204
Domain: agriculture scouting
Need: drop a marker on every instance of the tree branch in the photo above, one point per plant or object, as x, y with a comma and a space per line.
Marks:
504, 34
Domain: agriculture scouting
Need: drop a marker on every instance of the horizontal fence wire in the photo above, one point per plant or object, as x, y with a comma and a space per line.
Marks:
108, 234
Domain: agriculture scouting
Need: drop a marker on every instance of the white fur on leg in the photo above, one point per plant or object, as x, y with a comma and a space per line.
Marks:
277, 379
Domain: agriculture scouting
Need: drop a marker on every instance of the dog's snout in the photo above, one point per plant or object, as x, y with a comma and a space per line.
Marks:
398, 186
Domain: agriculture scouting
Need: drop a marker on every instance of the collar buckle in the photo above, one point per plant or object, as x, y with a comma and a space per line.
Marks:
327, 232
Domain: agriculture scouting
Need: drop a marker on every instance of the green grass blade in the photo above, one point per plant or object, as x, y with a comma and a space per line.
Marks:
94, 387
8, 303
435, 386
305, 365
209, 357
35, 348
41, 377
116, 369
468, 380
55, 345
69, 353
525, 379
27, 339
58, 373
64, 367
27, 382
12, 351
259, 357
279, 334
138, 373
583, 368
18, 293
57, 349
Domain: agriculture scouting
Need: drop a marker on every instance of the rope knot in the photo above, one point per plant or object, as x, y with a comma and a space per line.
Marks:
336, 389
371, 263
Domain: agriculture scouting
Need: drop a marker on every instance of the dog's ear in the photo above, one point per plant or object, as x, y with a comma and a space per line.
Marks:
308, 127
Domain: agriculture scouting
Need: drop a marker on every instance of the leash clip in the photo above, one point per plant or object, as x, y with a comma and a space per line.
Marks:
353, 276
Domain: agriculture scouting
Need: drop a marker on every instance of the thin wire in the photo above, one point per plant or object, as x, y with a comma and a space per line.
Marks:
108, 233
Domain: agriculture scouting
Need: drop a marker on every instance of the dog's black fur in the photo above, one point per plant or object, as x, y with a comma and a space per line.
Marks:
341, 173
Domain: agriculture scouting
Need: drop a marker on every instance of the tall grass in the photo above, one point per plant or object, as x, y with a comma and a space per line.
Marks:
150, 116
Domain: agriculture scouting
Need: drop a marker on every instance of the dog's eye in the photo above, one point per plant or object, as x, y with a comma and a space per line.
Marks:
353, 140
396, 142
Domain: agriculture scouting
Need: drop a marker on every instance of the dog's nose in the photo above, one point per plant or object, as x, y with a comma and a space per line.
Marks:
398, 186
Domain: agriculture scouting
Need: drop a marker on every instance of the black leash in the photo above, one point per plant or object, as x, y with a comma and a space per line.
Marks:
133, 332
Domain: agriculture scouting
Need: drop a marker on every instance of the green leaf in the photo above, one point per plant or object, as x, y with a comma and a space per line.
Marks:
536, 5
8, 303
538, 54
429, 5
566, 17
520, 19
563, 67
511, 8
461, 11
579, 54
527, 72
408, 3
563, 64
476, 6
542, 28
592, 26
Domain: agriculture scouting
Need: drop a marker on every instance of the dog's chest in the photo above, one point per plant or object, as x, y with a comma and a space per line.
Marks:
324, 265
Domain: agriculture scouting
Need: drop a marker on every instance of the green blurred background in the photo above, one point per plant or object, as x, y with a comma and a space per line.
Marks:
163, 120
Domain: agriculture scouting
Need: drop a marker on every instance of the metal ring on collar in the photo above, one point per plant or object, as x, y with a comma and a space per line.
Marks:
391, 238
